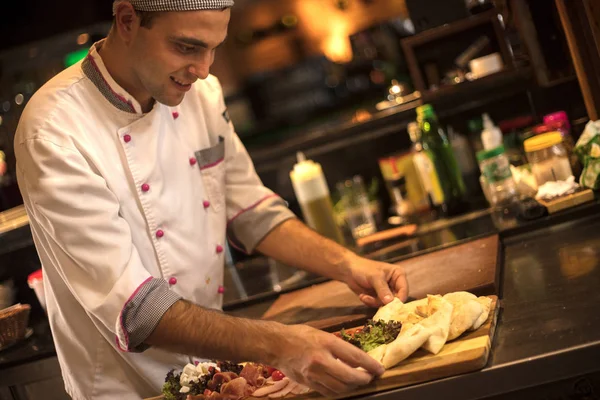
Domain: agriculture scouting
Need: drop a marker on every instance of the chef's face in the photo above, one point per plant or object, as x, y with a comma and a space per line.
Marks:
175, 50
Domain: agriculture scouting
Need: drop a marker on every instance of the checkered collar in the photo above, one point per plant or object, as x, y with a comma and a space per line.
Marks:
93, 67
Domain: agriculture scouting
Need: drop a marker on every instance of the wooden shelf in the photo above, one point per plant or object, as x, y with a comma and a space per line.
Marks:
499, 82
445, 34
444, 31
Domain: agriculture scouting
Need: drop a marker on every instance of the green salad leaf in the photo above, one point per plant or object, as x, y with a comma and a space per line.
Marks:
374, 334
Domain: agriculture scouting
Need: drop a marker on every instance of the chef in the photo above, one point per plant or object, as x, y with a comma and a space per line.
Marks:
133, 178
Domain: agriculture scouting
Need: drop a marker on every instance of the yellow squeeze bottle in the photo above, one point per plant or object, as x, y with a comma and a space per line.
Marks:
313, 196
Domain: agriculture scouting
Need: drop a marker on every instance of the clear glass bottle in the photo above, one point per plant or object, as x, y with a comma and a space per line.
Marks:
496, 178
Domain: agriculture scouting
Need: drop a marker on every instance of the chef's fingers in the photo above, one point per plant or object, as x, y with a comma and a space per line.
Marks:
329, 377
370, 301
354, 356
382, 288
400, 284
351, 377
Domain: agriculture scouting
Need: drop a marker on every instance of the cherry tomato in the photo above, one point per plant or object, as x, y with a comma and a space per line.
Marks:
270, 371
277, 375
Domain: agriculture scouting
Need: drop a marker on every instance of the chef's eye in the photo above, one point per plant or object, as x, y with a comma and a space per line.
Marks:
185, 49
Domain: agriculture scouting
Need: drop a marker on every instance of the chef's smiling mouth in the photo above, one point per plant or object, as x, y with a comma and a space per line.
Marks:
180, 83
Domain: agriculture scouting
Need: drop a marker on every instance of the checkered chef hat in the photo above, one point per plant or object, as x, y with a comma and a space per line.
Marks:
177, 5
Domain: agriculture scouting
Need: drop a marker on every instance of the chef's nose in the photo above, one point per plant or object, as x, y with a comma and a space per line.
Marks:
199, 71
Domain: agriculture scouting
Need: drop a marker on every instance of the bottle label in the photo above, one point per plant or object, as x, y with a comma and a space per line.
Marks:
496, 171
429, 178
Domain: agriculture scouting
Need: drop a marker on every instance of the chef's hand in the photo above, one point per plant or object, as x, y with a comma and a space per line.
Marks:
322, 361
376, 283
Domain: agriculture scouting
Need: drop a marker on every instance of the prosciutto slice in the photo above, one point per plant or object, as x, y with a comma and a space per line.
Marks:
285, 391
268, 389
254, 374
237, 388
221, 378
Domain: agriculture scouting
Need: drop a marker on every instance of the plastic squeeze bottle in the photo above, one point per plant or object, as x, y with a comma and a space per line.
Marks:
313, 195
491, 136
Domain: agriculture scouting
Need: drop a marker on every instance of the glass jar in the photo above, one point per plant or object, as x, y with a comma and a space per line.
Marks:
548, 157
357, 207
496, 178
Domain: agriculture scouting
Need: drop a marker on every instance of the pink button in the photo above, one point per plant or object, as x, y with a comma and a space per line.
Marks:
219, 249
160, 233
221, 290
206, 204
193, 161
175, 115
173, 281
145, 187
127, 138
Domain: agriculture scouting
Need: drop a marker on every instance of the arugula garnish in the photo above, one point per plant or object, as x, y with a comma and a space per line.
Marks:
374, 334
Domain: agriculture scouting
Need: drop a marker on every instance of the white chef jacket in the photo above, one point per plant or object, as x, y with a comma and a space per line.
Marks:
129, 213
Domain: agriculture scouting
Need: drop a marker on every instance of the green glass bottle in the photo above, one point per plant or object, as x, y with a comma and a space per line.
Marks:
439, 150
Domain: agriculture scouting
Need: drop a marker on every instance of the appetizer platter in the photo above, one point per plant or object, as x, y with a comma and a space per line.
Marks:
426, 339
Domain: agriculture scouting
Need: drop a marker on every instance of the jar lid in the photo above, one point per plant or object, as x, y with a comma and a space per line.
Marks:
542, 141
487, 154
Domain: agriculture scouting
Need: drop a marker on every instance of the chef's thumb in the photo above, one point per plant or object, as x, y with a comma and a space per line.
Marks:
383, 291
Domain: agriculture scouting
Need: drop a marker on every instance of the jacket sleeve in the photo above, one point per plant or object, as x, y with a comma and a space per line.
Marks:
253, 210
79, 233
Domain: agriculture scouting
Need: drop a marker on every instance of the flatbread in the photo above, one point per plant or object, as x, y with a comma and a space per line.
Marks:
410, 321
390, 311
438, 323
398, 311
464, 316
429, 323
459, 297
405, 344
486, 304
378, 352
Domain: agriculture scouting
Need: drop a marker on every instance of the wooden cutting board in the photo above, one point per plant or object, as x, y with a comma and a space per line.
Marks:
467, 354
332, 305
327, 306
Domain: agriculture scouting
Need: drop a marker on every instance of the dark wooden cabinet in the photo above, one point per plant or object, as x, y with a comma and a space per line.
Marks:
33, 381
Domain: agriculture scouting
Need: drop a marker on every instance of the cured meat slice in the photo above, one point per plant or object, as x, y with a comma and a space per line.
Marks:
301, 389
236, 389
253, 373
285, 391
276, 387
220, 378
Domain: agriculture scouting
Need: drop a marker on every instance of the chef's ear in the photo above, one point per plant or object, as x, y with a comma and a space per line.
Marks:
126, 20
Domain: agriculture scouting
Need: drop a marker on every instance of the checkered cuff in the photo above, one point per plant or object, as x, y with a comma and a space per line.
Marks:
142, 313
179, 5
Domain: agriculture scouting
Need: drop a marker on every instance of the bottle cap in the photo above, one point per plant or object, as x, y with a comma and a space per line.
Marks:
542, 141
487, 154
